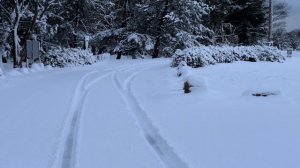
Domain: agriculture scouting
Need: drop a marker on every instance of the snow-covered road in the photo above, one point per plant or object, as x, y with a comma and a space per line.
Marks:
134, 114
80, 118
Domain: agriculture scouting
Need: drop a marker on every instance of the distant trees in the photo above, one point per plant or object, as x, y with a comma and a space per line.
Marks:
220, 21
243, 18
291, 39
174, 24
249, 20
134, 27
280, 13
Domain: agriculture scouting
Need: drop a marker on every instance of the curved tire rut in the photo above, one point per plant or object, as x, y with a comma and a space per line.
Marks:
161, 147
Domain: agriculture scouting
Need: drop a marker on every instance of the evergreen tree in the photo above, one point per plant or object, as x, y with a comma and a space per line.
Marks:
219, 20
173, 24
280, 13
248, 17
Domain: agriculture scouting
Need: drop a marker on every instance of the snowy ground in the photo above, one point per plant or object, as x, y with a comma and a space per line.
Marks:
134, 114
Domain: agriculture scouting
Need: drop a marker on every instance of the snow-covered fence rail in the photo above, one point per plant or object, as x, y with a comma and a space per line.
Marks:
208, 55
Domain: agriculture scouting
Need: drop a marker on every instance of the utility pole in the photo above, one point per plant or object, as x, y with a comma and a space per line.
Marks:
270, 37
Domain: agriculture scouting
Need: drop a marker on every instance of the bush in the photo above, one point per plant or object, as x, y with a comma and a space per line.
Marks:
208, 55
69, 57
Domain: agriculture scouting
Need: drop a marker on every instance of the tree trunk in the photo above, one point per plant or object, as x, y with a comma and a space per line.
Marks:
124, 14
16, 49
156, 48
3, 49
270, 21
16, 46
30, 31
161, 16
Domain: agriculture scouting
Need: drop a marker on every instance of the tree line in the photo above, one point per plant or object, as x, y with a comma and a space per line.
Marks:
134, 27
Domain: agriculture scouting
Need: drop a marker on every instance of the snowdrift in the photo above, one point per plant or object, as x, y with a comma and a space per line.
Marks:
1, 73
191, 81
208, 55
69, 57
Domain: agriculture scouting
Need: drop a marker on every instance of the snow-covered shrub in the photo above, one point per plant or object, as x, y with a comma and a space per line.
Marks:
259, 53
191, 82
182, 69
135, 44
69, 57
191, 57
208, 55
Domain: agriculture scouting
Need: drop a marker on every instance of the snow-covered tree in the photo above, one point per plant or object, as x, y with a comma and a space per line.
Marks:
20, 7
248, 17
5, 28
172, 24
219, 21
130, 27
280, 13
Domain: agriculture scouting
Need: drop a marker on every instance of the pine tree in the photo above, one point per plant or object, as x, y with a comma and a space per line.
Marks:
219, 21
248, 17
172, 24
280, 13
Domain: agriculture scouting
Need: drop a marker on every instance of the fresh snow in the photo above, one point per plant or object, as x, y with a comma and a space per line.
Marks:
133, 113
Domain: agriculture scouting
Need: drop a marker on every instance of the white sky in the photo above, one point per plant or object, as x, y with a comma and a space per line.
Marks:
293, 21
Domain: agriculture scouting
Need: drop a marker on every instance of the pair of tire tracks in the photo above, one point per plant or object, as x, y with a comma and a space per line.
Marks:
67, 157
161, 147
65, 154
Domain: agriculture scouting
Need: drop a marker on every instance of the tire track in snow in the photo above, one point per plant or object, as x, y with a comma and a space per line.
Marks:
69, 152
66, 156
161, 147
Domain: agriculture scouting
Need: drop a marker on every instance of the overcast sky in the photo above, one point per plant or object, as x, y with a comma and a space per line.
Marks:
293, 21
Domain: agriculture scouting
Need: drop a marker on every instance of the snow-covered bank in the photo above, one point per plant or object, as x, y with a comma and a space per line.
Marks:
1, 73
225, 125
8, 71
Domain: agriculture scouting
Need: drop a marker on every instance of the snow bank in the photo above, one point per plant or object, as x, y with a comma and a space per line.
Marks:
13, 72
37, 67
191, 81
69, 57
104, 56
8, 71
1, 73
208, 55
